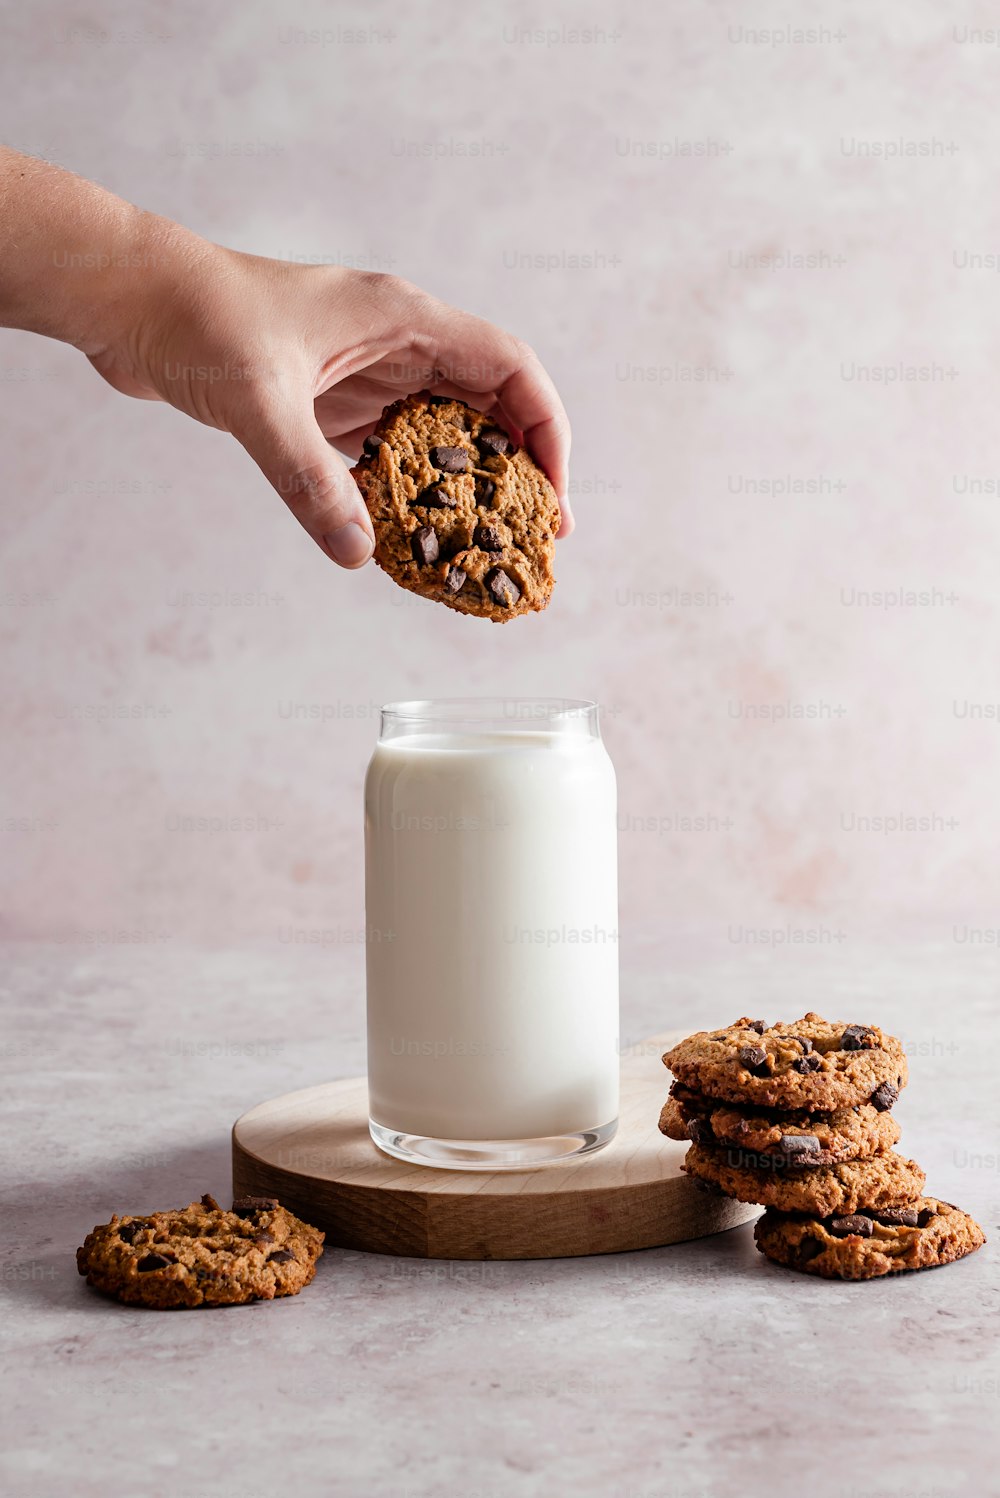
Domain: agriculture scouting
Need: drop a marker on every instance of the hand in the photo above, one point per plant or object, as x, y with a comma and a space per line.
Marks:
291, 358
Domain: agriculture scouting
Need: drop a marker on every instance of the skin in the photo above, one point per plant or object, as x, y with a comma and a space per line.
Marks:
289, 359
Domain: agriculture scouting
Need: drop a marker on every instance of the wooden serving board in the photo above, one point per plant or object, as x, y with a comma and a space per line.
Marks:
312, 1150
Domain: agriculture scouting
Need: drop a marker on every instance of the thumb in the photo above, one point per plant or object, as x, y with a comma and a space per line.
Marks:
288, 447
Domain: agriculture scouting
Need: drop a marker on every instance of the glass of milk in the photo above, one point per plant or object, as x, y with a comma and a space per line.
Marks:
492, 919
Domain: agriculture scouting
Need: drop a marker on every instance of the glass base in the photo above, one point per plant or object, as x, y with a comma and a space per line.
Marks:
490, 1154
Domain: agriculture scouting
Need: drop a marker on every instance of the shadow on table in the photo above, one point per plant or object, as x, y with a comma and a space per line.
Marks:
45, 1222
48, 1221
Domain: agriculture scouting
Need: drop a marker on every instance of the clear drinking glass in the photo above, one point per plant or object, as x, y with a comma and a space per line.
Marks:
492, 919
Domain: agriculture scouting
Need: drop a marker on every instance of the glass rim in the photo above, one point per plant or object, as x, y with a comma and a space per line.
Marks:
488, 712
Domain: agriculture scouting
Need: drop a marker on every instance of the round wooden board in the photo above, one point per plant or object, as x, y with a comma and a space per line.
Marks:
312, 1150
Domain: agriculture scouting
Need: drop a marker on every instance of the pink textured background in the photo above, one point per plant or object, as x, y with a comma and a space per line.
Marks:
444, 146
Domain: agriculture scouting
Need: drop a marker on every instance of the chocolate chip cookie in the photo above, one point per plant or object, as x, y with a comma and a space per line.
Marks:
200, 1255
884, 1180
461, 514
797, 1139
864, 1245
812, 1063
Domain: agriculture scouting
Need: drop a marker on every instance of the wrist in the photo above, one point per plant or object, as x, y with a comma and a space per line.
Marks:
74, 258
135, 267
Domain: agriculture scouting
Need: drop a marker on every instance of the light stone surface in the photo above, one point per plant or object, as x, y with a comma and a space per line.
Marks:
176, 653
693, 1370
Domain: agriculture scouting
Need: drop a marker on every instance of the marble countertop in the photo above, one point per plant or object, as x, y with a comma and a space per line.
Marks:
692, 1370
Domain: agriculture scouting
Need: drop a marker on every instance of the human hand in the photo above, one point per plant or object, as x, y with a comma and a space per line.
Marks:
292, 358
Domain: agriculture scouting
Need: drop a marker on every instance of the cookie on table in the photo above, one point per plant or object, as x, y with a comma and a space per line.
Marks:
811, 1063
921, 1235
460, 514
200, 1255
797, 1139
885, 1180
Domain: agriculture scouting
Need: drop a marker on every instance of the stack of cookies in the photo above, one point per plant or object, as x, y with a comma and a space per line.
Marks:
798, 1117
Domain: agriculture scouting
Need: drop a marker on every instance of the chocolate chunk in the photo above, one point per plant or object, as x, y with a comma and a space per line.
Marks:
246, 1206
129, 1231
436, 497
897, 1217
700, 1132
757, 1024
488, 538
371, 445
425, 545
501, 588
208, 1200
883, 1097
809, 1063
754, 1058
450, 459
800, 1040
439, 400
493, 442
752, 1055
263, 1238
485, 490
280, 1256
800, 1144
152, 1261
455, 581
857, 1038
924, 1216
809, 1249
855, 1226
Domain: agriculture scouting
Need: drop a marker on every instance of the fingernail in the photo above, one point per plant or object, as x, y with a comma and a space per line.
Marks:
350, 546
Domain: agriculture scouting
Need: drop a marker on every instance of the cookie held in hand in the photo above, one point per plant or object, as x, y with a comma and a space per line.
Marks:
200, 1256
460, 514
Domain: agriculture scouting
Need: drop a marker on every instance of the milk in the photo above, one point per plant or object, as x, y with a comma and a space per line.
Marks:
491, 887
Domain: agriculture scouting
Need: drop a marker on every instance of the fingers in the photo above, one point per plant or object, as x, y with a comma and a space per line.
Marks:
403, 338
471, 354
294, 456
528, 399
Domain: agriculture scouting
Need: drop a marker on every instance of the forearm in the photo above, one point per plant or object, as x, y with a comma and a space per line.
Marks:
73, 257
